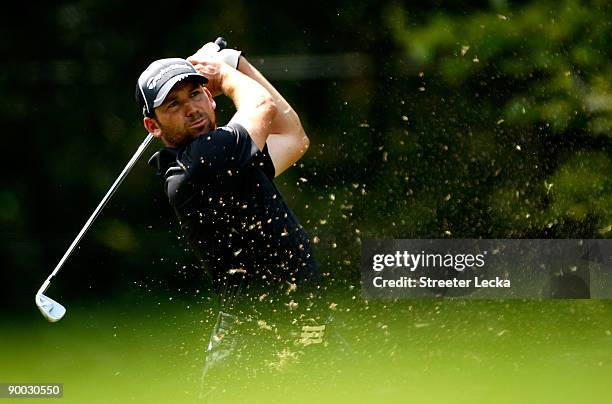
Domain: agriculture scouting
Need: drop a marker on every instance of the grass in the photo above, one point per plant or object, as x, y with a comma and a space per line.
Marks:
424, 351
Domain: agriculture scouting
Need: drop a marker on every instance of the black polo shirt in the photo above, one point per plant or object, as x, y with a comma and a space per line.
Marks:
221, 188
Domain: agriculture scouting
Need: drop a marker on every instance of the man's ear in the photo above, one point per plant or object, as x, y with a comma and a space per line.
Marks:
152, 127
210, 97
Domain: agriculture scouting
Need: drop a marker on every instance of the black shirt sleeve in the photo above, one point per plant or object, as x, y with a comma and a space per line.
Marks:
263, 161
226, 148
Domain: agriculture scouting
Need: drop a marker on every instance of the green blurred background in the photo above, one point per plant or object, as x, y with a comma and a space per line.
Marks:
481, 119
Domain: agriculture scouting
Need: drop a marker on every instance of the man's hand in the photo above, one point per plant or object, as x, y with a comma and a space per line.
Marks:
255, 106
230, 57
210, 66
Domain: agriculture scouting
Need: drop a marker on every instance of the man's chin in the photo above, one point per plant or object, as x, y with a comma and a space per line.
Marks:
201, 131
191, 134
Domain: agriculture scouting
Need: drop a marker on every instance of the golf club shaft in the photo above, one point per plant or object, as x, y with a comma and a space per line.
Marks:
222, 45
96, 212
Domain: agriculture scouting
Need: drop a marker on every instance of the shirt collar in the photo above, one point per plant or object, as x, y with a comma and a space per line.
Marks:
162, 159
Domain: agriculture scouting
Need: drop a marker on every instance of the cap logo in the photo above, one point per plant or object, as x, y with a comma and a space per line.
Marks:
152, 82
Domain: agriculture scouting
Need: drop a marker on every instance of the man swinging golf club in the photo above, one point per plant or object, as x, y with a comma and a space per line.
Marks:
219, 179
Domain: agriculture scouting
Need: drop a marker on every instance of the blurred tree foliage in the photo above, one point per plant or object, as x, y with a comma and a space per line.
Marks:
512, 128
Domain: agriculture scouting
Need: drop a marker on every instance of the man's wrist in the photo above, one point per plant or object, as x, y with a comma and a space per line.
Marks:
227, 79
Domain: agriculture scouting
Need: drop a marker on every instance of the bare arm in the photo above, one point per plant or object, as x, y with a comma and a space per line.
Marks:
256, 108
287, 142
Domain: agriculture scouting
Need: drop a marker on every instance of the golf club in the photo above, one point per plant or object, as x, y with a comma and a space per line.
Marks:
50, 309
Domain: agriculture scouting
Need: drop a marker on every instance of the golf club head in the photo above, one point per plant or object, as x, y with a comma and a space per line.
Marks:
50, 309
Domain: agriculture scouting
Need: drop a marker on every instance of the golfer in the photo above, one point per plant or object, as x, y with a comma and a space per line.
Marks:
219, 179
220, 182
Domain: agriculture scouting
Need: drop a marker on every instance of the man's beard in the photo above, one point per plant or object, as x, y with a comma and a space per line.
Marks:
180, 137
